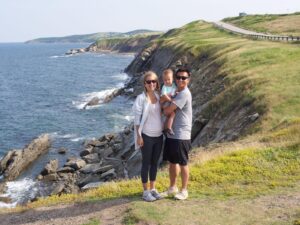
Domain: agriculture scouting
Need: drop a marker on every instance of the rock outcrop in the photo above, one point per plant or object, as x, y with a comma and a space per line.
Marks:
118, 45
122, 45
106, 158
221, 112
16, 161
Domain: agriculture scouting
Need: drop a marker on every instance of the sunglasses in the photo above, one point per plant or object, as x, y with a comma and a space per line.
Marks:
181, 78
150, 81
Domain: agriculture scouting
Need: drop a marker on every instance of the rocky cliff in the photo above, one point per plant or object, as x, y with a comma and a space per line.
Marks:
223, 110
118, 45
223, 107
122, 45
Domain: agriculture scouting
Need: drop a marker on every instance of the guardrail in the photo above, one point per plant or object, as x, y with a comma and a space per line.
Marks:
275, 38
262, 36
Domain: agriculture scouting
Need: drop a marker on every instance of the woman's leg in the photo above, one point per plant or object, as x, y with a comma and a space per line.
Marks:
156, 151
146, 160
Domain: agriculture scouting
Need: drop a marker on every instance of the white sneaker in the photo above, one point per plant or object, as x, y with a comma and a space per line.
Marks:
182, 195
147, 196
155, 194
170, 192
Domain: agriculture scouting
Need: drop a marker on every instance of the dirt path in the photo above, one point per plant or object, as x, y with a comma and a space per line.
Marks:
110, 212
281, 208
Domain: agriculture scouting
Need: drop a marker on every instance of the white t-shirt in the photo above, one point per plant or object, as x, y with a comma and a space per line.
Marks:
153, 124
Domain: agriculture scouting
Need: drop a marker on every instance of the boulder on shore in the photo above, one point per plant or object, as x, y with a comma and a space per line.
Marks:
16, 161
50, 167
93, 101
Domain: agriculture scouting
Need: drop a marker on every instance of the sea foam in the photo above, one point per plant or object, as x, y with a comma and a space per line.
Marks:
19, 192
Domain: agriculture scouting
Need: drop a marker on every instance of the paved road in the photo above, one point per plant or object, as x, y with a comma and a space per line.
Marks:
235, 29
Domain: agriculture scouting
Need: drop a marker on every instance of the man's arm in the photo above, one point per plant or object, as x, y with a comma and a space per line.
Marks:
169, 109
165, 98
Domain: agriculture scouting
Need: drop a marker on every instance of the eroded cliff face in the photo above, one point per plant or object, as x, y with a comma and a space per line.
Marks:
221, 111
124, 45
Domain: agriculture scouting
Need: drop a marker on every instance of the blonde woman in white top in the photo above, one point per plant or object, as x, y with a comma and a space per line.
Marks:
148, 133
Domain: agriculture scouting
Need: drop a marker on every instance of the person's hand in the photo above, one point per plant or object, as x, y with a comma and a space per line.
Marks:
140, 141
165, 98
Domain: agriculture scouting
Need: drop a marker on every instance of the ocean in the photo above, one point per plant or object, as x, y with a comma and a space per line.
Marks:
42, 90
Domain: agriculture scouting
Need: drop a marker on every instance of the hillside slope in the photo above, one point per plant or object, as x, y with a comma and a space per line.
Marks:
122, 45
235, 81
90, 38
245, 91
283, 24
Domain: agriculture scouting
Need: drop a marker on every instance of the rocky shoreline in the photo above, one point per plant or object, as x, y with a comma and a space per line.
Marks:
109, 157
112, 156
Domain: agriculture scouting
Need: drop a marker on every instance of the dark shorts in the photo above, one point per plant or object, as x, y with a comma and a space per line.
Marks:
176, 151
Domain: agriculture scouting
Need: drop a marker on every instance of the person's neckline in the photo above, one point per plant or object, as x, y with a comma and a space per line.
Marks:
184, 89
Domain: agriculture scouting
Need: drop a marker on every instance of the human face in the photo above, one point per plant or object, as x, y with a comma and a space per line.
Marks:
150, 83
183, 80
168, 79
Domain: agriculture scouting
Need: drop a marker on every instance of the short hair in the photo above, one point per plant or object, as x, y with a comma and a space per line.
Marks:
183, 69
167, 71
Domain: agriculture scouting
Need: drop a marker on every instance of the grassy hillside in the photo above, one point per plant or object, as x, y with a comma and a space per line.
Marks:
238, 182
266, 72
89, 38
134, 43
285, 24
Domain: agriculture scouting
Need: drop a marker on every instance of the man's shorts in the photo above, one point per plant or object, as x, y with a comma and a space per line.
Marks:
176, 151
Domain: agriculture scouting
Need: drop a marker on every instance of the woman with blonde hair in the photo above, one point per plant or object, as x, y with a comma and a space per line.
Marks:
148, 133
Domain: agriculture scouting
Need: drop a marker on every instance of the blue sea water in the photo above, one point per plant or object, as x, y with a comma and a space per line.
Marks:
43, 91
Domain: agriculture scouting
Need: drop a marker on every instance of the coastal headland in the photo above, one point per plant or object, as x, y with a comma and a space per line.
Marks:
245, 137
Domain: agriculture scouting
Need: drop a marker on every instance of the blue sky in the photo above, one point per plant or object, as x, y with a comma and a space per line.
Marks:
23, 20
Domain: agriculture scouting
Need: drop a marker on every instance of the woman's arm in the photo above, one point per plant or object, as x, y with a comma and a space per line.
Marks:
140, 140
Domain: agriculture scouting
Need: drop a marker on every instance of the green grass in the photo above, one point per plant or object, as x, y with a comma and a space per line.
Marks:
93, 221
246, 173
249, 172
282, 24
262, 73
259, 73
265, 75
129, 219
110, 43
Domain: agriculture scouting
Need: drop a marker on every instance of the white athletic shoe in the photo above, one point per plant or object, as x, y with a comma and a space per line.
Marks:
183, 195
147, 196
170, 192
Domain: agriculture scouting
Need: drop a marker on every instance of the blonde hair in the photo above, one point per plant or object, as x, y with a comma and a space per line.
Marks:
148, 74
168, 71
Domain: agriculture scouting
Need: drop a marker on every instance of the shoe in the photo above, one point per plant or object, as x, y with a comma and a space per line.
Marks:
171, 192
147, 196
155, 194
182, 195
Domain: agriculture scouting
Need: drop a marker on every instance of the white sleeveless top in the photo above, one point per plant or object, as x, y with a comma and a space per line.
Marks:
153, 124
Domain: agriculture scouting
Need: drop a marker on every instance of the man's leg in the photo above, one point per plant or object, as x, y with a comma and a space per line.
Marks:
184, 176
173, 173
183, 194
